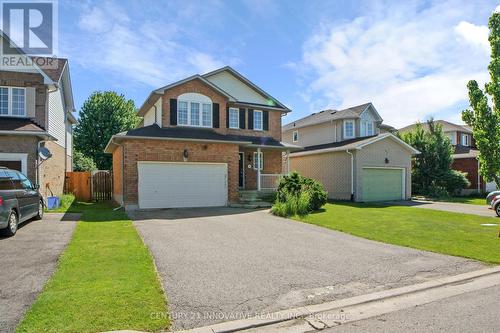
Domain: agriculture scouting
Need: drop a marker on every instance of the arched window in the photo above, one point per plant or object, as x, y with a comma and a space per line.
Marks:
194, 110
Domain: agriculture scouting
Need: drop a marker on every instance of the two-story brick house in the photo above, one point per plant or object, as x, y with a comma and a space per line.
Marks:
352, 154
201, 141
36, 108
465, 153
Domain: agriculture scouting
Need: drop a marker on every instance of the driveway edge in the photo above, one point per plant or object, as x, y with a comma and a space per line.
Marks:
304, 311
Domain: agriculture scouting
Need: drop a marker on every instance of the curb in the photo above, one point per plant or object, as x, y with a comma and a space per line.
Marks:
308, 310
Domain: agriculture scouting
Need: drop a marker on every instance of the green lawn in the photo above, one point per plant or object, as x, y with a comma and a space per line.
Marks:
68, 204
431, 230
105, 280
466, 200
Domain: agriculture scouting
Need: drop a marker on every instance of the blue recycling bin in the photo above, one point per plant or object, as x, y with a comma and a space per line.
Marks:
53, 202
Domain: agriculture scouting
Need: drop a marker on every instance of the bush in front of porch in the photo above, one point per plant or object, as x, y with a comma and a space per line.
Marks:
297, 195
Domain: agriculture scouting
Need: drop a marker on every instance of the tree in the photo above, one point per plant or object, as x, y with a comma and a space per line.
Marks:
483, 118
102, 115
431, 173
82, 162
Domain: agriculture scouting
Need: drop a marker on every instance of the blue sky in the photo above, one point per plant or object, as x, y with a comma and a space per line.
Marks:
412, 59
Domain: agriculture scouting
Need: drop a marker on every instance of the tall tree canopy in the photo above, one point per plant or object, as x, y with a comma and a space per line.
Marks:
431, 173
102, 115
483, 117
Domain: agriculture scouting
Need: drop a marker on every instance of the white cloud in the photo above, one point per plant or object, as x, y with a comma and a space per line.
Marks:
141, 50
474, 34
407, 60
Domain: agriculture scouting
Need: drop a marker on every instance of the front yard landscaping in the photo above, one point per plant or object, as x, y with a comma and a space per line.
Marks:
106, 280
437, 231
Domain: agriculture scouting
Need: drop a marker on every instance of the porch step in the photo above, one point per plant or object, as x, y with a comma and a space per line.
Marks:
251, 205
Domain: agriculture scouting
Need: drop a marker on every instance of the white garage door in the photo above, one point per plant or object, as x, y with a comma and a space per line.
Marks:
175, 185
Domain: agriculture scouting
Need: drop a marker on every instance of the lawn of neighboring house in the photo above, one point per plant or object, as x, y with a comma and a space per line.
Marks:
437, 231
471, 200
106, 280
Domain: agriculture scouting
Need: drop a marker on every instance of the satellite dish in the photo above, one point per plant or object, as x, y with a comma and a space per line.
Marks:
44, 153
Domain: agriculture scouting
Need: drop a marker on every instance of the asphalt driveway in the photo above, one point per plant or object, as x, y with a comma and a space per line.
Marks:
221, 264
27, 260
454, 207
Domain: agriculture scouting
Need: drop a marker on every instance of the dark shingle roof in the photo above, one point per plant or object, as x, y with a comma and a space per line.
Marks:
465, 152
55, 71
447, 127
199, 134
327, 115
18, 124
338, 144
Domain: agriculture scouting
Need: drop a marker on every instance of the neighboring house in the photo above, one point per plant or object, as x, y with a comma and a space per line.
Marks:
465, 153
352, 154
202, 140
36, 111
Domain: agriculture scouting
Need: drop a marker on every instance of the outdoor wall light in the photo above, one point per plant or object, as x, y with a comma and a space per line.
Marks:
185, 153
249, 157
386, 160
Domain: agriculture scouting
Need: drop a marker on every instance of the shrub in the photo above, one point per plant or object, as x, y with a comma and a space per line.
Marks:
455, 180
82, 162
297, 195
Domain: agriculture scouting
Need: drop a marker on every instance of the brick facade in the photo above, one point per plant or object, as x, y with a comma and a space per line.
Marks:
197, 86
20, 144
272, 165
34, 80
470, 166
172, 151
52, 171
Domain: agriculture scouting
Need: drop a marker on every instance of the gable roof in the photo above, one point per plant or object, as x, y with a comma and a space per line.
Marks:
156, 94
329, 115
54, 73
354, 144
447, 127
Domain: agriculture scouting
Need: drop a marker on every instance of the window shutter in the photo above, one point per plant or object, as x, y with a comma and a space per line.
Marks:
250, 119
30, 102
227, 116
265, 120
242, 118
215, 115
173, 111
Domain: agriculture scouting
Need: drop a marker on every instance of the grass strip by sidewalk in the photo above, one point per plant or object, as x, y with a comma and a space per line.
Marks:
105, 280
425, 229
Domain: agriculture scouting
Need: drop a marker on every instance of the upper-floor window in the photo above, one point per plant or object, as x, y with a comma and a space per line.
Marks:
12, 101
348, 129
234, 118
257, 120
465, 140
453, 137
194, 110
366, 128
369, 128
295, 136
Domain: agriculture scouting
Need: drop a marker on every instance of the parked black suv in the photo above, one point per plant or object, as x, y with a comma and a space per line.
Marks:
19, 201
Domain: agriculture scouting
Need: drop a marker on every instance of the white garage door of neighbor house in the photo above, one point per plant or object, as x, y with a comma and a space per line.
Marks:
383, 184
176, 185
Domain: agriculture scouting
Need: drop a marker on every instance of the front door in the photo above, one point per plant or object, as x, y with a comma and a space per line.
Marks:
241, 172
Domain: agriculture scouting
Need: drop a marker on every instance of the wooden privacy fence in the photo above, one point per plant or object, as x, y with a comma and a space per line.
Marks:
87, 186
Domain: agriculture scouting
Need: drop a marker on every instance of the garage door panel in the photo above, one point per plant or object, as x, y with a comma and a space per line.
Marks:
174, 185
382, 184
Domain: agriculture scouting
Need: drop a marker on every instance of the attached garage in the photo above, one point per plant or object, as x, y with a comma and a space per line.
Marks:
177, 184
364, 169
383, 184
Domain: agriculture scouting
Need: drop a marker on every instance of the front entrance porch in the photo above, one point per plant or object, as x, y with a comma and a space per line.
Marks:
260, 168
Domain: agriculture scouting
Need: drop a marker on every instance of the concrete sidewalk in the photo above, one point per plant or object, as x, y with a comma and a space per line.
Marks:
448, 207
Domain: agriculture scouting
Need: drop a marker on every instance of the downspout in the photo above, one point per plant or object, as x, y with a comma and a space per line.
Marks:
352, 174
478, 179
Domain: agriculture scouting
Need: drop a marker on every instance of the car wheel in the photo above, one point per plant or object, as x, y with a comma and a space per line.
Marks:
12, 226
39, 214
497, 210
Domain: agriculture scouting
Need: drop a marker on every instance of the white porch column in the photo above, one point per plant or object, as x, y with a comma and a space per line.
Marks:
258, 169
288, 162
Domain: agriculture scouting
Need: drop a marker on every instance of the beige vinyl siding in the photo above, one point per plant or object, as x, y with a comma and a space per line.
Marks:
333, 170
374, 155
312, 135
236, 88
149, 117
57, 124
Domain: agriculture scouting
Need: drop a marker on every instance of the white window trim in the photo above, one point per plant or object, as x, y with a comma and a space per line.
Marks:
353, 129
17, 157
200, 113
237, 117
368, 132
295, 139
9, 102
255, 160
262, 120
465, 142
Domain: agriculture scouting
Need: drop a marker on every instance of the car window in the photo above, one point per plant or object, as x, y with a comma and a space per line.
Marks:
5, 183
14, 177
25, 182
